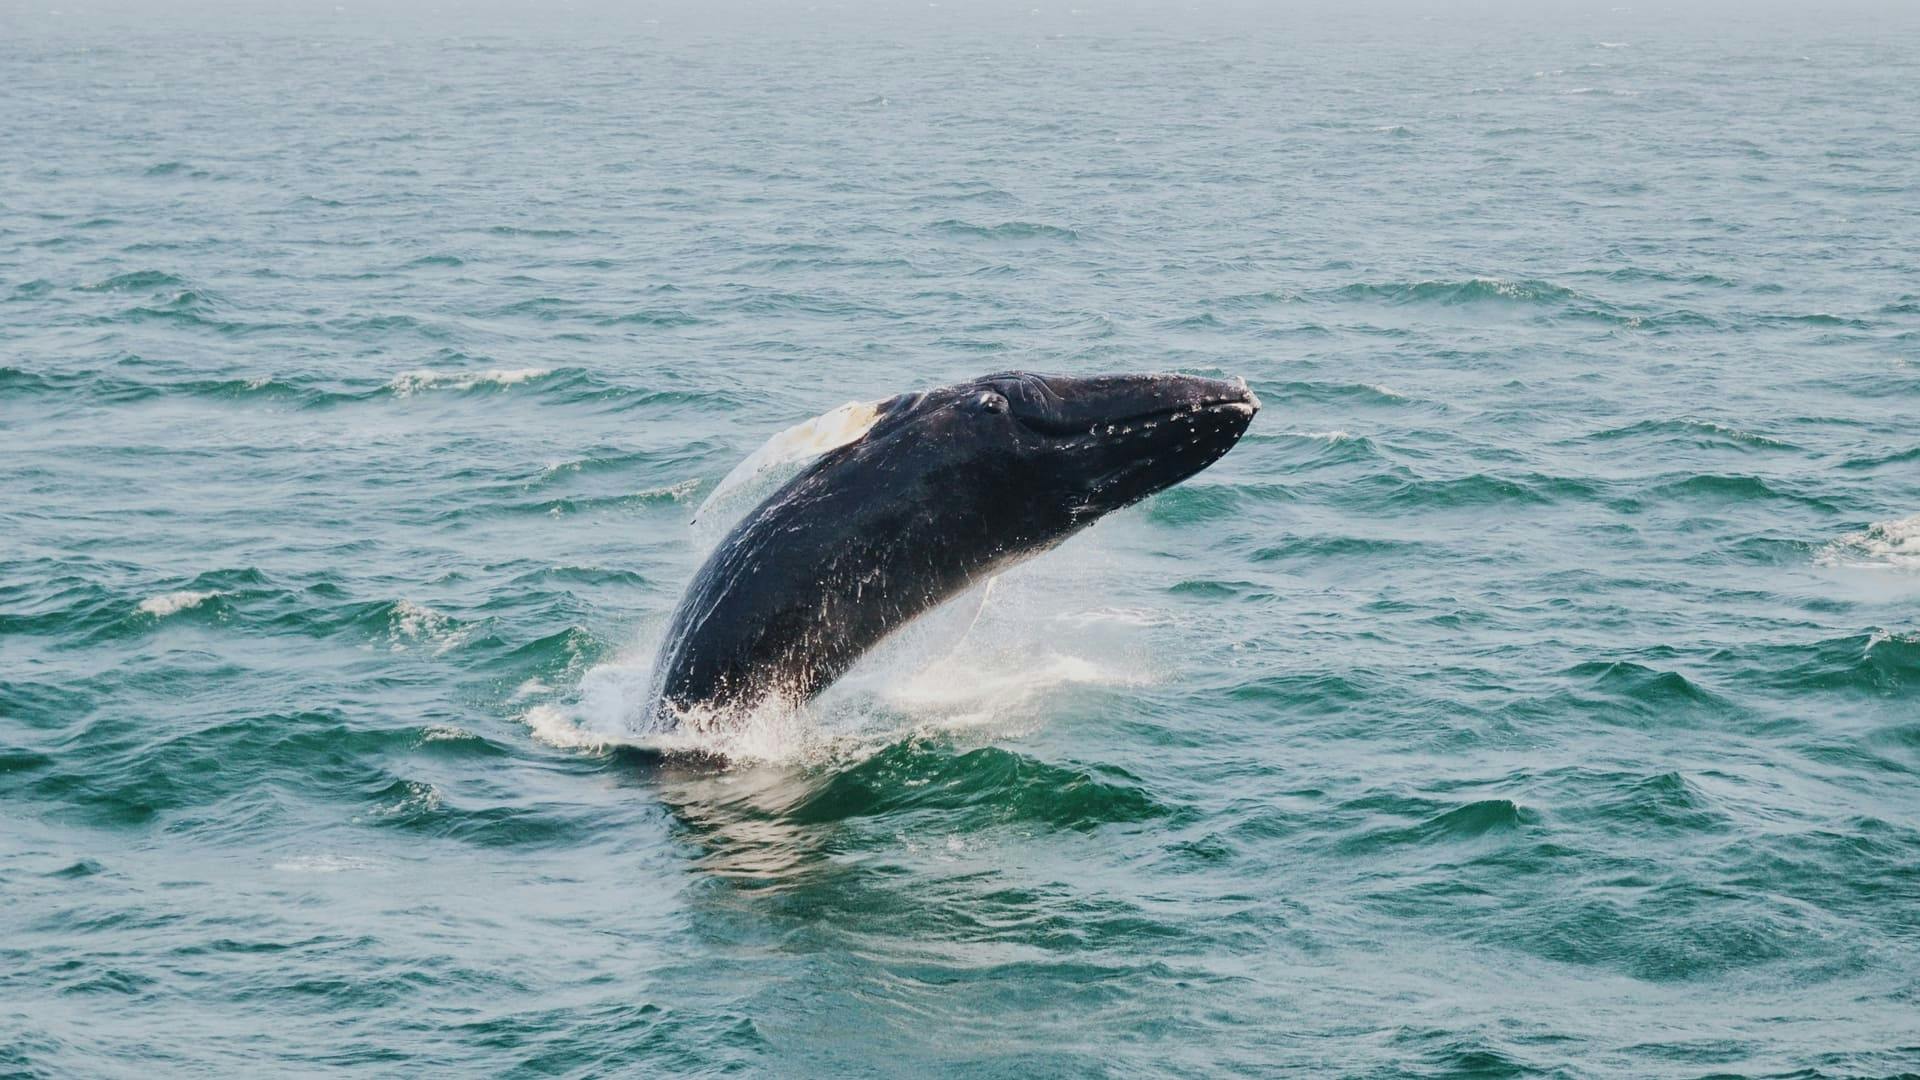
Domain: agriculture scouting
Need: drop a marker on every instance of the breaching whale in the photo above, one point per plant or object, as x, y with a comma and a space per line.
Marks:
925, 494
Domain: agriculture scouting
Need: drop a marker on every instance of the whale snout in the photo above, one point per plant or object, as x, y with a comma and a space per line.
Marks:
1121, 438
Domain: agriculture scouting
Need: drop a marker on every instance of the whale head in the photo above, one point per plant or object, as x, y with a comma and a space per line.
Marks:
1032, 458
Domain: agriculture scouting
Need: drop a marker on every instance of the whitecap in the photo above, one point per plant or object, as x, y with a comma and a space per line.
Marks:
410, 382
166, 604
410, 624
1883, 545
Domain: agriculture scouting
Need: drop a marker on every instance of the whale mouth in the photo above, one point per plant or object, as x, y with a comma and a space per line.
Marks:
1234, 408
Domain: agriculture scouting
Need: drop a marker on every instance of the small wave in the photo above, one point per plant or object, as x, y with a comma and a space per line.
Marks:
989, 785
1468, 291
662, 317
166, 604
1875, 662
1700, 432
1477, 489
1735, 488
136, 279
564, 506
412, 382
1883, 545
1007, 231
532, 233
1647, 690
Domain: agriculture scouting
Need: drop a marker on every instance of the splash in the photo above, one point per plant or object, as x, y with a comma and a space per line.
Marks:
985, 662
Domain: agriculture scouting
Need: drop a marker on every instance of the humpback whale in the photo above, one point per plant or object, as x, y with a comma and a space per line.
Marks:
923, 495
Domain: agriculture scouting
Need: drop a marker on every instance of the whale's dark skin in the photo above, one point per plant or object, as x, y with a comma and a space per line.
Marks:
946, 487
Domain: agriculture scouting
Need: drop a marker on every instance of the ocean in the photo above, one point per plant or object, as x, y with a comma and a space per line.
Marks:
1533, 692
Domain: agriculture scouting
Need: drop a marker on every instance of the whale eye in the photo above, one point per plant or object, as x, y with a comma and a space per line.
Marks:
989, 402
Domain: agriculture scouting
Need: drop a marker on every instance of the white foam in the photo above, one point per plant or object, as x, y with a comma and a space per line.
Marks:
324, 864
1891, 545
530, 688
1329, 436
410, 624
408, 382
166, 604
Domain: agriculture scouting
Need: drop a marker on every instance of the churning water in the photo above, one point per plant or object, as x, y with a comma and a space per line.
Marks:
1535, 691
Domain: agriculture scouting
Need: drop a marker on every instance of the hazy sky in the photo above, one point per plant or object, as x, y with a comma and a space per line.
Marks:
1831, 14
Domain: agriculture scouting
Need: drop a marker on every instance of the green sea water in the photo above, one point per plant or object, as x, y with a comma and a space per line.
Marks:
1535, 691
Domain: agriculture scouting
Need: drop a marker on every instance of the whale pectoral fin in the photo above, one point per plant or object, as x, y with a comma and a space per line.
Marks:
980, 607
800, 443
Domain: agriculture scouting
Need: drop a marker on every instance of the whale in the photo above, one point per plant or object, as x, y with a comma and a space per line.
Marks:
917, 498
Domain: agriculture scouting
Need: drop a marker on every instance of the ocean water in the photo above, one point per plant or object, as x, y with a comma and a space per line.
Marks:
1534, 692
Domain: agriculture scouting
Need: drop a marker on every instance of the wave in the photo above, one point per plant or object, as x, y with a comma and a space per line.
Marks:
568, 505
1647, 691
1873, 663
1706, 434
978, 788
1478, 489
1733, 488
135, 280
1007, 231
1332, 392
1465, 291
1667, 800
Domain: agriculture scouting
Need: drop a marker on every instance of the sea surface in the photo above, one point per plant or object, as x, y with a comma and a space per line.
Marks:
1535, 691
